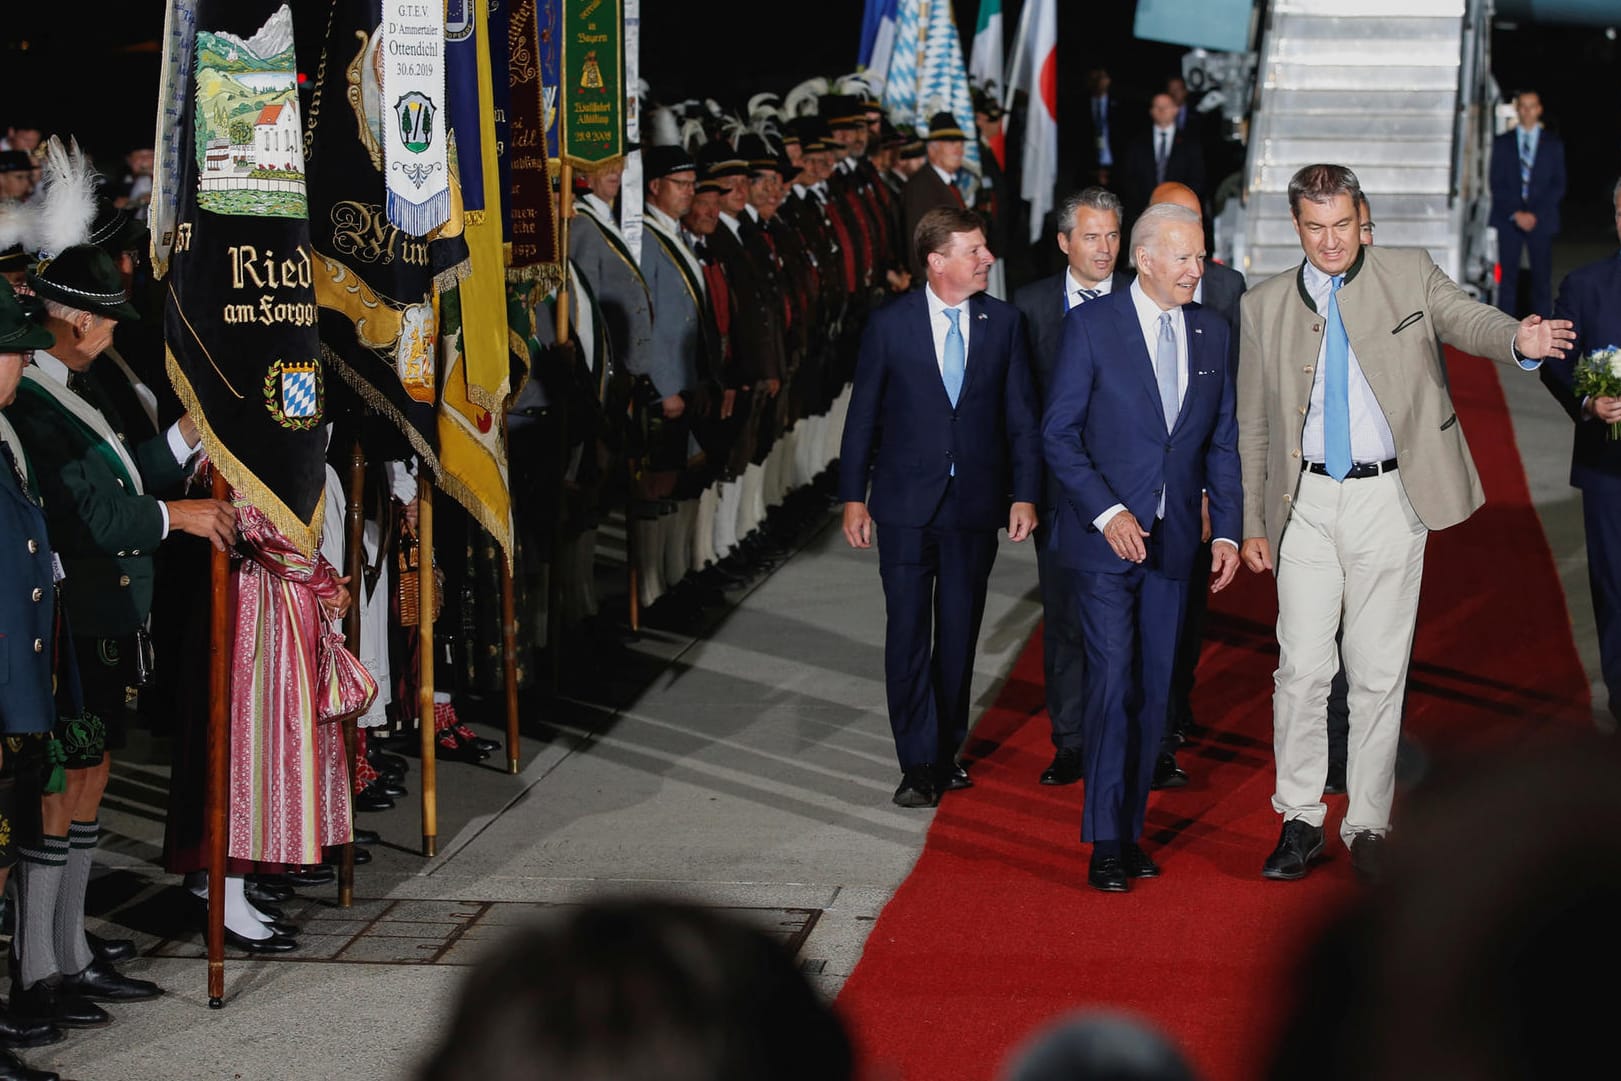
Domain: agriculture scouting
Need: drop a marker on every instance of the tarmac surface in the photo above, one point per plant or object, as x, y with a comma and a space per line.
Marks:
738, 756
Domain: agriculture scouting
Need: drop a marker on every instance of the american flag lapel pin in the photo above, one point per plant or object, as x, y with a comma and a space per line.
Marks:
982, 315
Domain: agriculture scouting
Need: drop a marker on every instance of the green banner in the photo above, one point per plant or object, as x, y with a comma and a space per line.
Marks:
593, 83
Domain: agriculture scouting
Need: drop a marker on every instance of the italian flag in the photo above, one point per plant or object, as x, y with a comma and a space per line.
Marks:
985, 61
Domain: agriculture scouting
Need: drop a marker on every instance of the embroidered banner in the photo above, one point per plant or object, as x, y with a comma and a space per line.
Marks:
593, 83
174, 105
477, 364
240, 309
549, 17
415, 150
374, 282
532, 215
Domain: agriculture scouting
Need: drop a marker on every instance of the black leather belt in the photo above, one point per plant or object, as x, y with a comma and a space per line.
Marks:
1359, 471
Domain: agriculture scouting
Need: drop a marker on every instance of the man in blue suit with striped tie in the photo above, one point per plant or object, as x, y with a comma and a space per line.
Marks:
1528, 183
942, 427
1139, 426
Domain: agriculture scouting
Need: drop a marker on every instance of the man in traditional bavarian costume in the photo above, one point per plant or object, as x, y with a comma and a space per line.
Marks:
105, 527
28, 624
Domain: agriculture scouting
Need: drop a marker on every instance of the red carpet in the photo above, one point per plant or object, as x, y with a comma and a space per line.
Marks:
995, 933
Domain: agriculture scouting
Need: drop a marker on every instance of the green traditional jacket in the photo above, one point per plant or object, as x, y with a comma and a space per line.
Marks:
102, 524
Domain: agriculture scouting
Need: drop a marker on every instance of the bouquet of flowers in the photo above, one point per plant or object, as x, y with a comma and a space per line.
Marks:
1598, 375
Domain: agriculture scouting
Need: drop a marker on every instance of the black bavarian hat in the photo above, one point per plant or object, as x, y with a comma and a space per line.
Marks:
115, 230
86, 278
14, 259
18, 330
15, 161
659, 162
717, 159
913, 148
752, 148
841, 111
944, 127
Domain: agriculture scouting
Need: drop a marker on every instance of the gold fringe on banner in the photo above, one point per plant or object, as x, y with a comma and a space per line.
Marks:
305, 535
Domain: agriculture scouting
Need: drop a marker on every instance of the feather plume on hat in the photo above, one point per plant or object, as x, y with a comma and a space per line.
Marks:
854, 84
802, 99
732, 128
16, 224
67, 202
693, 134
663, 128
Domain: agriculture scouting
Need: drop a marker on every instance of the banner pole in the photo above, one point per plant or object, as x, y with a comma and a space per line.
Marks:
554, 576
219, 738
354, 567
425, 606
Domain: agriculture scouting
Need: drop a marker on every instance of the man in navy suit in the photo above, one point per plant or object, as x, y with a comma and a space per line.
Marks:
1089, 236
1164, 153
1590, 297
1528, 182
943, 426
1139, 424
1219, 293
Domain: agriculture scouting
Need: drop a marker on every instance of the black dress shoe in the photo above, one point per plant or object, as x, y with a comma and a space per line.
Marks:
383, 762
391, 789
101, 982
15, 1032
1298, 845
42, 1002
263, 908
1137, 863
110, 950
367, 837
13, 1068
1066, 767
1335, 784
261, 892
954, 778
1107, 873
304, 877
333, 856
1167, 774
274, 944
917, 788
1368, 855
370, 799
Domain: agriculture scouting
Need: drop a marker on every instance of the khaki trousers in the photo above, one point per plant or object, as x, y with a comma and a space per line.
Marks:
1353, 551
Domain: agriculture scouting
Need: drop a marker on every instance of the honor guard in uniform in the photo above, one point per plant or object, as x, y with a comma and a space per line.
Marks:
711, 544
28, 622
675, 283
756, 334
105, 526
935, 184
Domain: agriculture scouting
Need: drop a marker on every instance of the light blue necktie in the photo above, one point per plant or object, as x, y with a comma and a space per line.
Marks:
956, 358
1336, 389
1165, 371
956, 362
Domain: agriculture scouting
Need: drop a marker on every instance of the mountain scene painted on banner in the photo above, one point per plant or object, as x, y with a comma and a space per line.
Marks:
249, 136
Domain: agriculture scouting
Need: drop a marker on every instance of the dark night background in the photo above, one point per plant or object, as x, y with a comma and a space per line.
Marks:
91, 68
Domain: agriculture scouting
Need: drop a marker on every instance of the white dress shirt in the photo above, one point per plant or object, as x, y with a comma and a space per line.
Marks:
940, 325
1371, 438
1073, 287
951, 180
1148, 313
59, 373
731, 224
